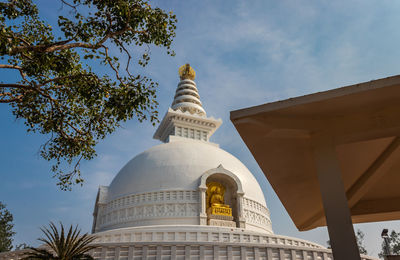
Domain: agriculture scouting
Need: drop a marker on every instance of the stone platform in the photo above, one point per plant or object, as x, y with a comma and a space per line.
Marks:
221, 221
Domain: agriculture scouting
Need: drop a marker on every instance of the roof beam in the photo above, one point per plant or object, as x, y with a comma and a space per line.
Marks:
379, 167
376, 206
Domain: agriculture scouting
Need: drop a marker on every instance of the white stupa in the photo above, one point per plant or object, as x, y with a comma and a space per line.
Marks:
166, 185
188, 199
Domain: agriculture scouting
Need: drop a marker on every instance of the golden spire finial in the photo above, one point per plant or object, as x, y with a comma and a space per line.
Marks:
186, 72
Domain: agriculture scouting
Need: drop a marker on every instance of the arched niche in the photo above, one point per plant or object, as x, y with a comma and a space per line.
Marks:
233, 193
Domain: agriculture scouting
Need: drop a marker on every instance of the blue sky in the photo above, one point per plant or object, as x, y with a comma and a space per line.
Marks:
245, 53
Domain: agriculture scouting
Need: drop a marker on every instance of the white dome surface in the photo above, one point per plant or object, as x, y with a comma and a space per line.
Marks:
179, 165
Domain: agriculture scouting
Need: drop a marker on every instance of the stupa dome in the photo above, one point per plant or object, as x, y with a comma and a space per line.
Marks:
179, 165
163, 184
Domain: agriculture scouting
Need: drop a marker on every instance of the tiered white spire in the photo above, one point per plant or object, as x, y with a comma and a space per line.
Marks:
187, 118
187, 96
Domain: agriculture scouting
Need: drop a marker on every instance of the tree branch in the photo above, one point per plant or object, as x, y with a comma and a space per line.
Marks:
127, 53
18, 37
11, 85
7, 66
14, 99
63, 46
70, 5
112, 65
62, 78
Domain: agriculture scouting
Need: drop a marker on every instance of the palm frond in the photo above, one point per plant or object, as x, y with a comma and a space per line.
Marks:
38, 253
63, 245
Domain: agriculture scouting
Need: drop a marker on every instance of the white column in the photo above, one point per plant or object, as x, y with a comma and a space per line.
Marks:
158, 256
116, 254
293, 252
337, 212
130, 253
243, 253
242, 220
103, 252
229, 252
282, 254
173, 252
305, 255
216, 252
187, 252
201, 252
256, 253
203, 213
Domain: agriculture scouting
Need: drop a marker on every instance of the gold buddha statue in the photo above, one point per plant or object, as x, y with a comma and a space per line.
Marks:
215, 200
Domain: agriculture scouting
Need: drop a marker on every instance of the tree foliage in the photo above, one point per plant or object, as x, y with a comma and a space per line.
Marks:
62, 245
59, 93
394, 244
6, 226
360, 242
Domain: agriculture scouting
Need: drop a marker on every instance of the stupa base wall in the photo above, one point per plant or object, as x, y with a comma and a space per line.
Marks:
211, 251
198, 242
204, 242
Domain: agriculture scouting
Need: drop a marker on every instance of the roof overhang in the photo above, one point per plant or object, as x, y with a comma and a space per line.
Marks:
364, 122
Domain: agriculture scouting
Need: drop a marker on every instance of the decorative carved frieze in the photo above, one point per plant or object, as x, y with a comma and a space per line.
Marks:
168, 204
138, 207
255, 213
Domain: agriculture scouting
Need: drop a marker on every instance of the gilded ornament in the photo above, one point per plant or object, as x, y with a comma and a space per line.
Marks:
186, 72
